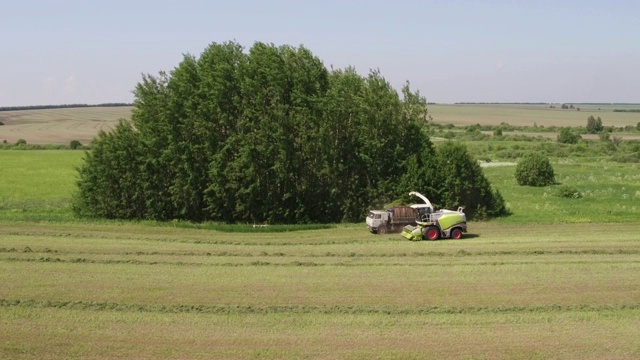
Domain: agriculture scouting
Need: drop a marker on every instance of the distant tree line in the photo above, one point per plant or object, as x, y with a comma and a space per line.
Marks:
272, 135
64, 106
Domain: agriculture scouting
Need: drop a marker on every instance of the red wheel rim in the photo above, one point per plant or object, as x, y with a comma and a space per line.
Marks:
457, 234
432, 234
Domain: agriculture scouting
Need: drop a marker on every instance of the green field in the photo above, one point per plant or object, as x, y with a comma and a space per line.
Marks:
556, 279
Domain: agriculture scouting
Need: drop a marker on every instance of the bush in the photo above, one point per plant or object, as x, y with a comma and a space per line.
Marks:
535, 169
568, 192
21, 142
566, 136
75, 144
1, 123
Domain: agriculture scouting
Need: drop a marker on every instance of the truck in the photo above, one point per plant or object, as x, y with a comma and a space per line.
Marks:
394, 219
391, 220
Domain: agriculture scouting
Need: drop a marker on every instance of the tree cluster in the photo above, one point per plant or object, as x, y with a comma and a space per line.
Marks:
594, 125
272, 136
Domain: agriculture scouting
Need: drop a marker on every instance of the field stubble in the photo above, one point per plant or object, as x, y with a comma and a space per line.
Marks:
133, 290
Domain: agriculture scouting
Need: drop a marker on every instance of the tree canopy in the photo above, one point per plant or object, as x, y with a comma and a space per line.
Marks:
269, 135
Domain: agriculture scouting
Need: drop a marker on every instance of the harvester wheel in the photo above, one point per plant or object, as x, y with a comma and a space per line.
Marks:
382, 230
456, 234
432, 233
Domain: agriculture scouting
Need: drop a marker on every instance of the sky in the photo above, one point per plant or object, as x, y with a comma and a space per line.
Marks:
94, 51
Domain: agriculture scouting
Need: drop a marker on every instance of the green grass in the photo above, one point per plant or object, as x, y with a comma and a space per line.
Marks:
37, 184
611, 193
37, 178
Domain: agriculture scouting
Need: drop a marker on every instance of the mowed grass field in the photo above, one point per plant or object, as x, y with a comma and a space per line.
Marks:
59, 126
124, 290
557, 279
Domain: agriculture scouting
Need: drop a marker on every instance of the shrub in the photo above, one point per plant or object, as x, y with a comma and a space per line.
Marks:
534, 169
75, 144
1, 123
566, 136
568, 192
21, 142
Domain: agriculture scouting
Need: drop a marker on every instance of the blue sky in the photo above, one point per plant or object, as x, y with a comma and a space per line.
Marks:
62, 52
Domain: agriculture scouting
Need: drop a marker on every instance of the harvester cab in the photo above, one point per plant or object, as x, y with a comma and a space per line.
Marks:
434, 225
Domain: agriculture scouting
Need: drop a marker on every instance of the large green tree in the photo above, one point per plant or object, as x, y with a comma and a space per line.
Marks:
268, 135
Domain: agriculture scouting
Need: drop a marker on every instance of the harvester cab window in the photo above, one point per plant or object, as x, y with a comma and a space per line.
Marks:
423, 213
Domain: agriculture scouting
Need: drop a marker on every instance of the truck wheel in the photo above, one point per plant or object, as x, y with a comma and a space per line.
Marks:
382, 230
456, 234
432, 233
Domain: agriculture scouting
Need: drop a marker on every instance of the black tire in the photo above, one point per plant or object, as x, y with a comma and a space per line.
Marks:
432, 233
456, 234
382, 230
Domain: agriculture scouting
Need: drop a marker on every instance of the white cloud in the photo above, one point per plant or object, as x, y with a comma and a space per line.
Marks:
501, 65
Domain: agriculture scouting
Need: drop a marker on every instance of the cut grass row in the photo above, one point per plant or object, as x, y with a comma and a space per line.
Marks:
544, 335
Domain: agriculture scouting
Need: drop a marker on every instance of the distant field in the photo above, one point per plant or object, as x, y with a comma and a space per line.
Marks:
528, 115
59, 126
